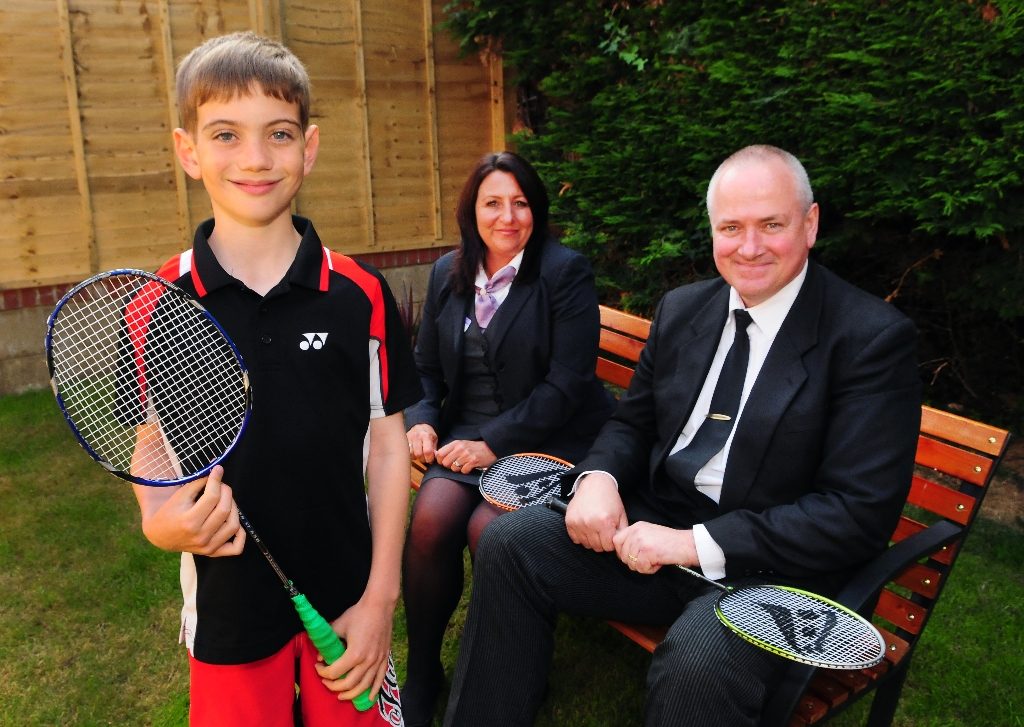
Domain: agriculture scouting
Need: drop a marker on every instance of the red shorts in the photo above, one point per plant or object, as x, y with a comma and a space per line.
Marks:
262, 693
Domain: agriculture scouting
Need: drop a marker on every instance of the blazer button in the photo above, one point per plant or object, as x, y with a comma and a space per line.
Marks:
265, 338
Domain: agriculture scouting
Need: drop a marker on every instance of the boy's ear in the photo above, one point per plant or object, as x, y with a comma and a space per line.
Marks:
185, 149
312, 148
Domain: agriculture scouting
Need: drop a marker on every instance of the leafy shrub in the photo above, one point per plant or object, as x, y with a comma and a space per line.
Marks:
909, 117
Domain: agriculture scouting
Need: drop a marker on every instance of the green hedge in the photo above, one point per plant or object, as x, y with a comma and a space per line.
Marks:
909, 117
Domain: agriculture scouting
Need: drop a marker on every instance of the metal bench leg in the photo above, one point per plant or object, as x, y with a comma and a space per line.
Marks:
887, 696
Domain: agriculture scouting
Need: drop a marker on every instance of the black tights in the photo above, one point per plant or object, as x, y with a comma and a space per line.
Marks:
446, 516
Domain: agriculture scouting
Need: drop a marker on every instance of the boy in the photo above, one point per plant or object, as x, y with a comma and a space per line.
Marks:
331, 373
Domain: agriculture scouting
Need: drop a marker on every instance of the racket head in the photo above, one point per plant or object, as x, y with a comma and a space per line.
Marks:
801, 626
126, 348
523, 479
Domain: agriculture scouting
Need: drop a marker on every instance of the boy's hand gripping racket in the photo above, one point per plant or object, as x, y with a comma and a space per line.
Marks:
792, 623
126, 348
519, 480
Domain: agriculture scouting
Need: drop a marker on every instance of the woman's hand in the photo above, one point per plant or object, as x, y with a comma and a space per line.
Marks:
464, 455
422, 442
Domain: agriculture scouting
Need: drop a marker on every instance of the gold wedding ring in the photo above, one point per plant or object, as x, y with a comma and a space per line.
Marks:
457, 465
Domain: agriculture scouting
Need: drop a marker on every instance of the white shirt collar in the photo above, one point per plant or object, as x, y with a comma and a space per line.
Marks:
481, 274
769, 315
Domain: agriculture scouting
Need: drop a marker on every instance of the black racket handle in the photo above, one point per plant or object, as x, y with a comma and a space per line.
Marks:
557, 504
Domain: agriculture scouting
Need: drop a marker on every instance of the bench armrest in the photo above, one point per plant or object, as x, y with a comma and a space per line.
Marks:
859, 594
861, 591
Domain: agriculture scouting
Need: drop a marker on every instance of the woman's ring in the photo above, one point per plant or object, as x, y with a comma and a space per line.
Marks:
458, 466
632, 559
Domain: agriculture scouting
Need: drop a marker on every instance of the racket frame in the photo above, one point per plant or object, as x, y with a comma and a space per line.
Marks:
485, 478
51, 321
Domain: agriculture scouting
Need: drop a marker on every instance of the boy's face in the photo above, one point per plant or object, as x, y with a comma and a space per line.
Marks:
251, 154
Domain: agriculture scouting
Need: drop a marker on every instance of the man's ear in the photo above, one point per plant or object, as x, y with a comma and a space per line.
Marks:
185, 150
312, 137
811, 224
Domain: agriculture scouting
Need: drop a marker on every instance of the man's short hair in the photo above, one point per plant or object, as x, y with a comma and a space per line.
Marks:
239, 64
761, 152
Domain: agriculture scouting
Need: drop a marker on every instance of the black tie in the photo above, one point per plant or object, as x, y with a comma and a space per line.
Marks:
713, 432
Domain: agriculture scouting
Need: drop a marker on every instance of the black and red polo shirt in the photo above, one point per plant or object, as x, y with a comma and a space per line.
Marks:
326, 351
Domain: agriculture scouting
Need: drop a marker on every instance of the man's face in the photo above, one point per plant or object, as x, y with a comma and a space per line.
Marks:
761, 234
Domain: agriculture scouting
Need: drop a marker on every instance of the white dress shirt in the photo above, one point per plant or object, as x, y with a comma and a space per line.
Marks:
767, 319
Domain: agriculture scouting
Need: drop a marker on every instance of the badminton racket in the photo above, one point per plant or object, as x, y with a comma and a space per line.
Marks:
792, 623
518, 480
127, 348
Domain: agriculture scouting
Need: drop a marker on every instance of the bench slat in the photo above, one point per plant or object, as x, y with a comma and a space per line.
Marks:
645, 635
616, 344
614, 373
921, 579
941, 500
901, 612
953, 461
627, 323
896, 648
977, 435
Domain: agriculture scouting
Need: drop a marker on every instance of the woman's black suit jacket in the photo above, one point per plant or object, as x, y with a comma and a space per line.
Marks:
542, 347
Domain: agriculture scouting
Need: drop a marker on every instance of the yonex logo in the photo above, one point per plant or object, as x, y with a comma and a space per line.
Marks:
316, 341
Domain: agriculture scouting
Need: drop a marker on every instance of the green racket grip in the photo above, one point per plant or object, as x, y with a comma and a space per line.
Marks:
326, 642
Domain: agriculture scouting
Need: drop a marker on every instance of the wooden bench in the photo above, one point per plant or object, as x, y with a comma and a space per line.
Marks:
956, 460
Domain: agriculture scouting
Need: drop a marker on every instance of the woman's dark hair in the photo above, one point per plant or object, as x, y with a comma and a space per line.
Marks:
471, 247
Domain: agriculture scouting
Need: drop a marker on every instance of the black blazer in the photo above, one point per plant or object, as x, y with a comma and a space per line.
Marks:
823, 453
542, 346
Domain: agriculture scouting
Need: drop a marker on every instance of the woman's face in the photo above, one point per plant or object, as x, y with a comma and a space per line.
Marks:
503, 219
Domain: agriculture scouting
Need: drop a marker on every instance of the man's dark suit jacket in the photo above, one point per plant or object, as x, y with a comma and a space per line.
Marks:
542, 348
822, 457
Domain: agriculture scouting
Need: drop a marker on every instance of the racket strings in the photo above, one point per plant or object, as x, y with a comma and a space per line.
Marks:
126, 349
195, 372
518, 480
798, 625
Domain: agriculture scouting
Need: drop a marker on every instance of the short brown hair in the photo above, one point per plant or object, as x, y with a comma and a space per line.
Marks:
232, 65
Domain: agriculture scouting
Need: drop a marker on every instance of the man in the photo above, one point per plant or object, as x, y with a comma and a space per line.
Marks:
768, 436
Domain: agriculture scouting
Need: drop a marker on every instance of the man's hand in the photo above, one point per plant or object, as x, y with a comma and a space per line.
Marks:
595, 513
645, 547
198, 517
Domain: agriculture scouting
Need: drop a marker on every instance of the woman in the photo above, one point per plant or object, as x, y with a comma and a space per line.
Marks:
506, 353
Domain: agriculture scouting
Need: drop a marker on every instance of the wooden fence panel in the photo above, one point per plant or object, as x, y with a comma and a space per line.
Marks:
87, 168
337, 194
46, 233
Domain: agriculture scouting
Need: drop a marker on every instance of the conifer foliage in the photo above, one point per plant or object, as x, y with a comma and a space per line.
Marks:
909, 117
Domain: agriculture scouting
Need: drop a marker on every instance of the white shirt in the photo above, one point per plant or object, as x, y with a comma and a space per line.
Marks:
767, 319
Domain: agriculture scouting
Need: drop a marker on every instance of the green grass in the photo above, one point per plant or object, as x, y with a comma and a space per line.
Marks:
88, 612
